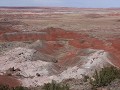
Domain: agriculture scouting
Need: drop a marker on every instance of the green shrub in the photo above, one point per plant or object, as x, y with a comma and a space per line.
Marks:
4, 87
55, 86
105, 76
20, 88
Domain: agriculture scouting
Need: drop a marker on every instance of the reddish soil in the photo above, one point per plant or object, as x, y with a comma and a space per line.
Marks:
114, 14
50, 48
77, 40
68, 59
93, 16
8, 80
4, 30
116, 43
50, 34
114, 49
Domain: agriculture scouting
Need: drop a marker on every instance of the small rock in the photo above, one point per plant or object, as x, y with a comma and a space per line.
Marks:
37, 74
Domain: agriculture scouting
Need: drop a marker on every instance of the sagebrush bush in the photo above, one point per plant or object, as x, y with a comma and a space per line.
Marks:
55, 86
105, 76
4, 87
20, 88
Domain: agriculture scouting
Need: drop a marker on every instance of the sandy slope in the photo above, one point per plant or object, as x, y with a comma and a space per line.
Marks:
21, 58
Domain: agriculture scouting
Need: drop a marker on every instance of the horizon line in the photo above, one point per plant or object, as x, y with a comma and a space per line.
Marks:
58, 7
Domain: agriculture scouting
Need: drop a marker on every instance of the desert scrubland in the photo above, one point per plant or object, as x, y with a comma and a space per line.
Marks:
38, 45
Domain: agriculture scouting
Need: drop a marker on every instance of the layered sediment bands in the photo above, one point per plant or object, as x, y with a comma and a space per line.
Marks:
74, 39
54, 51
50, 34
22, 36
115, 50
87, 43
21, 16
4, 30
70, 58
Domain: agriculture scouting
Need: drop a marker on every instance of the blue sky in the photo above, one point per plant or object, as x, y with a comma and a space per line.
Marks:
63, 3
